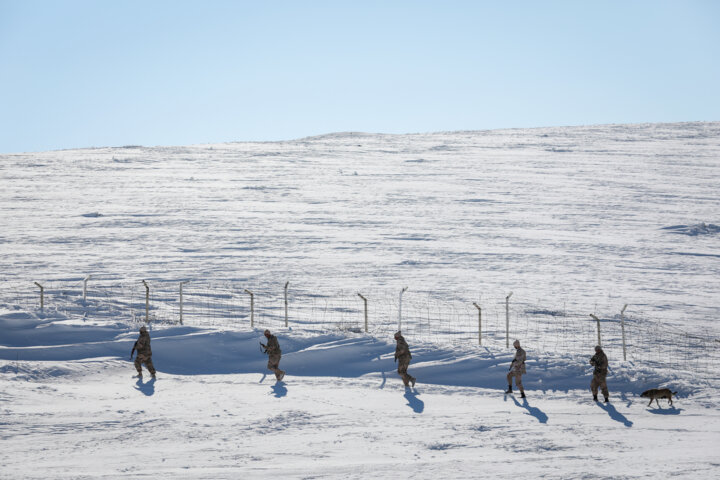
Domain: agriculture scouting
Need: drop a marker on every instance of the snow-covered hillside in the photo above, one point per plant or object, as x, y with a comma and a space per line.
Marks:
573, 221
589, 217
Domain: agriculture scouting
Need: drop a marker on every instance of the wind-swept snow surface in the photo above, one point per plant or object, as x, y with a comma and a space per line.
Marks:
577, 216
573, 221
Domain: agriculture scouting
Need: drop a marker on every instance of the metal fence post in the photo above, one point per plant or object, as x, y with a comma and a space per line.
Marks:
479, 323
147, 302
366, 315
286, 304
252, 308
42, 296
598, 329
507, 320
400, 309
181, 301
85, 288
622, 326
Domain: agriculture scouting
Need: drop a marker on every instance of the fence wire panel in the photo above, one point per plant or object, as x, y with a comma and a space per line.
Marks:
423, 318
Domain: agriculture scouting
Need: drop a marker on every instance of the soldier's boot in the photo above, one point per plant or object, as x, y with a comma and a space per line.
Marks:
509, 390
153, 376
595, 398
522, 394
412, 381
607, 399
280, 375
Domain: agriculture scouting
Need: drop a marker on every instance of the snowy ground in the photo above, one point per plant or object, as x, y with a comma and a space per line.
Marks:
71, 409
583, 219
105, 425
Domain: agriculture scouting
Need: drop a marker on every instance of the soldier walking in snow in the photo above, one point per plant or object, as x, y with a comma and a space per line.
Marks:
402, 356
272, 349
517, 369
144, 353
600, 362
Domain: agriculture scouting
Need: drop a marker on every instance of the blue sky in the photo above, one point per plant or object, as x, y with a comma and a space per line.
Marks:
101, 73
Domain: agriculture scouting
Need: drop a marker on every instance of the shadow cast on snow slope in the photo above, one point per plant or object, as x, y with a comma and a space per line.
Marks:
147, 388
532, 411
665, 411
279, 390
411, 395
614, 414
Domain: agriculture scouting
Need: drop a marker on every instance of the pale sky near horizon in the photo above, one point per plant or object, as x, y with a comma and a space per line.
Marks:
81, 73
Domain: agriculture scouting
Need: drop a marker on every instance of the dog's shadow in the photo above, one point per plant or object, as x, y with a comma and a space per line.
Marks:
665, 411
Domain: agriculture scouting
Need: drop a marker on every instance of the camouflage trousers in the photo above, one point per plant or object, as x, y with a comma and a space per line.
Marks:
147, 360
274, 365
517, 374
598, 381
403, 364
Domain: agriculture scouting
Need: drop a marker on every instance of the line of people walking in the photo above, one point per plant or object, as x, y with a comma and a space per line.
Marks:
402, 357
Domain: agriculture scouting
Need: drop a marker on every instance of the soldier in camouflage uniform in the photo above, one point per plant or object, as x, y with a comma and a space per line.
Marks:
402, 356
274, 354
517, 369
144, 353
600, 362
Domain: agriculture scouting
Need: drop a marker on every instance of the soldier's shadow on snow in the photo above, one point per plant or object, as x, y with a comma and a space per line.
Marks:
533, 411
413, 401
279, 390
147, 389
614, 414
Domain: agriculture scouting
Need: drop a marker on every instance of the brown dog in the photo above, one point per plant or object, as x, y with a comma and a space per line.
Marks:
655, 393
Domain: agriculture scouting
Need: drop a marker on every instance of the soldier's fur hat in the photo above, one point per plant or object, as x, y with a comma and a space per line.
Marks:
516, 343
143, 329
398, 334
598, 348
266, 332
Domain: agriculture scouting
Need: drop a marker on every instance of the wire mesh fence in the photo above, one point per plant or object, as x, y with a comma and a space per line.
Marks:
423, 317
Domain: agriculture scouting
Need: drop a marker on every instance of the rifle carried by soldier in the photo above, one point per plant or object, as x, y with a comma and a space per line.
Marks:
133, 350
263, 348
